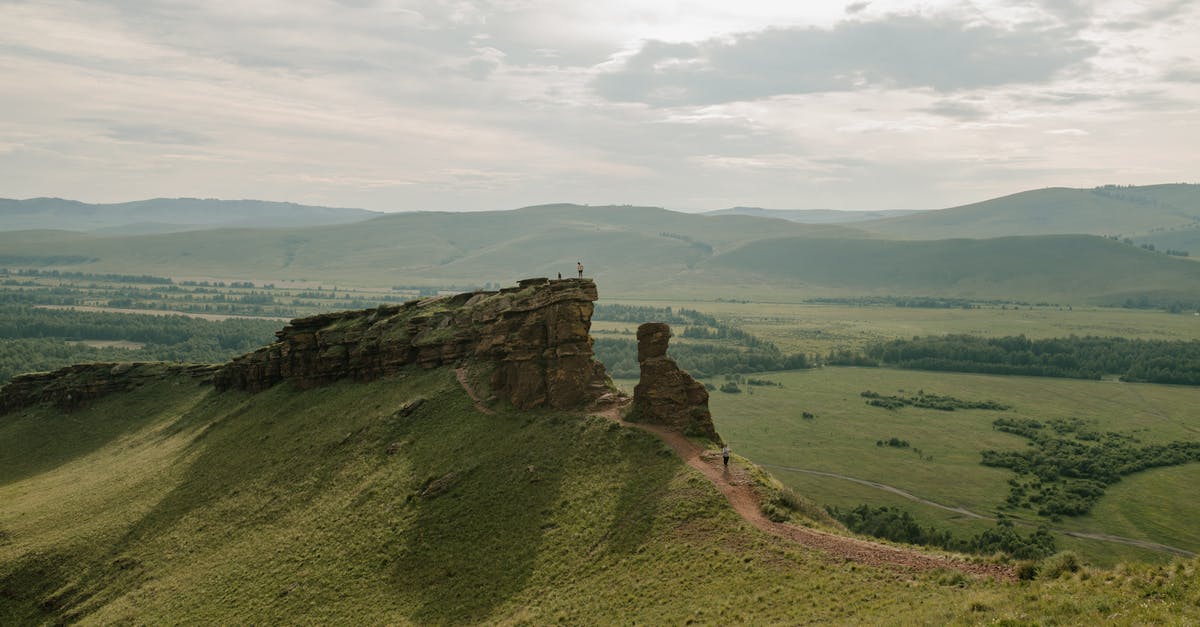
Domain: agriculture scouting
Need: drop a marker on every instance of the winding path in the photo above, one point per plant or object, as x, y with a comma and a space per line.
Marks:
461, 375
738, 487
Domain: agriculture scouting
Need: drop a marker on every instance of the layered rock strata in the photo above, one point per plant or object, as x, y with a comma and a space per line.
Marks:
74, 386
667, 395
533, 336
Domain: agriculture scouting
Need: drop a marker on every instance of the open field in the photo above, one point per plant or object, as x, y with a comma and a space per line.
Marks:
818, 328
765, 425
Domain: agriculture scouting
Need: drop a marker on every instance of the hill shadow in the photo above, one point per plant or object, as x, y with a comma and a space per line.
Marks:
41, 438
476, 530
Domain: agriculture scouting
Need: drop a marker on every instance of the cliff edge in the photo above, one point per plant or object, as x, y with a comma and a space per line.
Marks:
533, 337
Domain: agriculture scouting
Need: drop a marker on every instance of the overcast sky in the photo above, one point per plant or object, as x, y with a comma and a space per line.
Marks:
495, 104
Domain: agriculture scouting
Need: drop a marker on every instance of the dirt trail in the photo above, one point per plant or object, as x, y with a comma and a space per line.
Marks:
737, 486
461, 375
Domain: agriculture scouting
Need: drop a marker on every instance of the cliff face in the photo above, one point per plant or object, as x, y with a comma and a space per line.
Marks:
665, 394
73, 386
534, 336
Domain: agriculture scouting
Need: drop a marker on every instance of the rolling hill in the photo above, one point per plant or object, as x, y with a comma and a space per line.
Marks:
811, 216
1054, 268
634, 251
398, 501
1110, 210
166, 215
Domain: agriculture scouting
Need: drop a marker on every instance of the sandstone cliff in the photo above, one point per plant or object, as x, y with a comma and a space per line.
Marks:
533, 337
74, 386
665, 394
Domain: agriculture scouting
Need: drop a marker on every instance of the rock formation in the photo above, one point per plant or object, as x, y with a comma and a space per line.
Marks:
73, 386
534, 337
665, 394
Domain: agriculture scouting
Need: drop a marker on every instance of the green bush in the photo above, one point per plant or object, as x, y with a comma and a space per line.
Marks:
1027, 571
1058, 564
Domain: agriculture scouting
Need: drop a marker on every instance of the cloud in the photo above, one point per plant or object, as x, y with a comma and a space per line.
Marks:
956, 110
909, 51
153, 134
856, 7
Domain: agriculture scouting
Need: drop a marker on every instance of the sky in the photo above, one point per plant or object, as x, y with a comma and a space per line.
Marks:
457, 105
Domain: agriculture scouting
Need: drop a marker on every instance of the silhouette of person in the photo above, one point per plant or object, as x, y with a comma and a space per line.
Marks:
559, 276
579, 267
725, 454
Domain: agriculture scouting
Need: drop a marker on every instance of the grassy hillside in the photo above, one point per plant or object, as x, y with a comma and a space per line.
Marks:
174, 504
1126, 211
1057, 269
812, 216
624, 245
633, 251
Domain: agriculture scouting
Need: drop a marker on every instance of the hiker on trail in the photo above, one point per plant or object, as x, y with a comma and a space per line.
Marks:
559, 276
725, 454
579, 267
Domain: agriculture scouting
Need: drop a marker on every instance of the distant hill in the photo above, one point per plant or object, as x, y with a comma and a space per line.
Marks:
166, 215
812, 216
632, 251
1053, 268
622, 245
1110, 210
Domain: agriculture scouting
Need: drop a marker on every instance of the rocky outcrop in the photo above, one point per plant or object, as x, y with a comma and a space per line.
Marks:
534, 337
665, 394
74, 386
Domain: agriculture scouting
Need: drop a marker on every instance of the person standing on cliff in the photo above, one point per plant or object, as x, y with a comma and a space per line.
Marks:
579, 267
725, 455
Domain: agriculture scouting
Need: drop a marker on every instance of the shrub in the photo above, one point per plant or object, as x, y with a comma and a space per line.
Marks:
1056, 565
1027, 571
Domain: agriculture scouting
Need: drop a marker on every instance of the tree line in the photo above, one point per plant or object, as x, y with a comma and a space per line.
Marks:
1135, 360
619, 357
33, 340
897, 525
732, 350
1068, 466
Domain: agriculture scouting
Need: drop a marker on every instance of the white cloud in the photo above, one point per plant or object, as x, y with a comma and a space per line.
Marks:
455, 104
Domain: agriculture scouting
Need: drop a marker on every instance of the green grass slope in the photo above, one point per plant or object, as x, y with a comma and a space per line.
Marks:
175, 504
1127, 211
1057, 268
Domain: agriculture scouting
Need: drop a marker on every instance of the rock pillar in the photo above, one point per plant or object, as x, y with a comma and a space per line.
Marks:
665, 394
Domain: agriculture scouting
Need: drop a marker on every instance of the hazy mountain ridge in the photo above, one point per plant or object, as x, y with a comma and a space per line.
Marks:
1127, 211
633, 250
813, 216
646, 250
166, 215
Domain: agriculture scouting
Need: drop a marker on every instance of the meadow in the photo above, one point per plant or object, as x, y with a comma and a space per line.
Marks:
814, 328
942, 462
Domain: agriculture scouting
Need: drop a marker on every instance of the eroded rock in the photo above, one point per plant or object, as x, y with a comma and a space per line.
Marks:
534, 337
665, 394
74, 386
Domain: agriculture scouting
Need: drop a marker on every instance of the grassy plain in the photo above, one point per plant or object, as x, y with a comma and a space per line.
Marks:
819, 328
176, 504
765, 424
